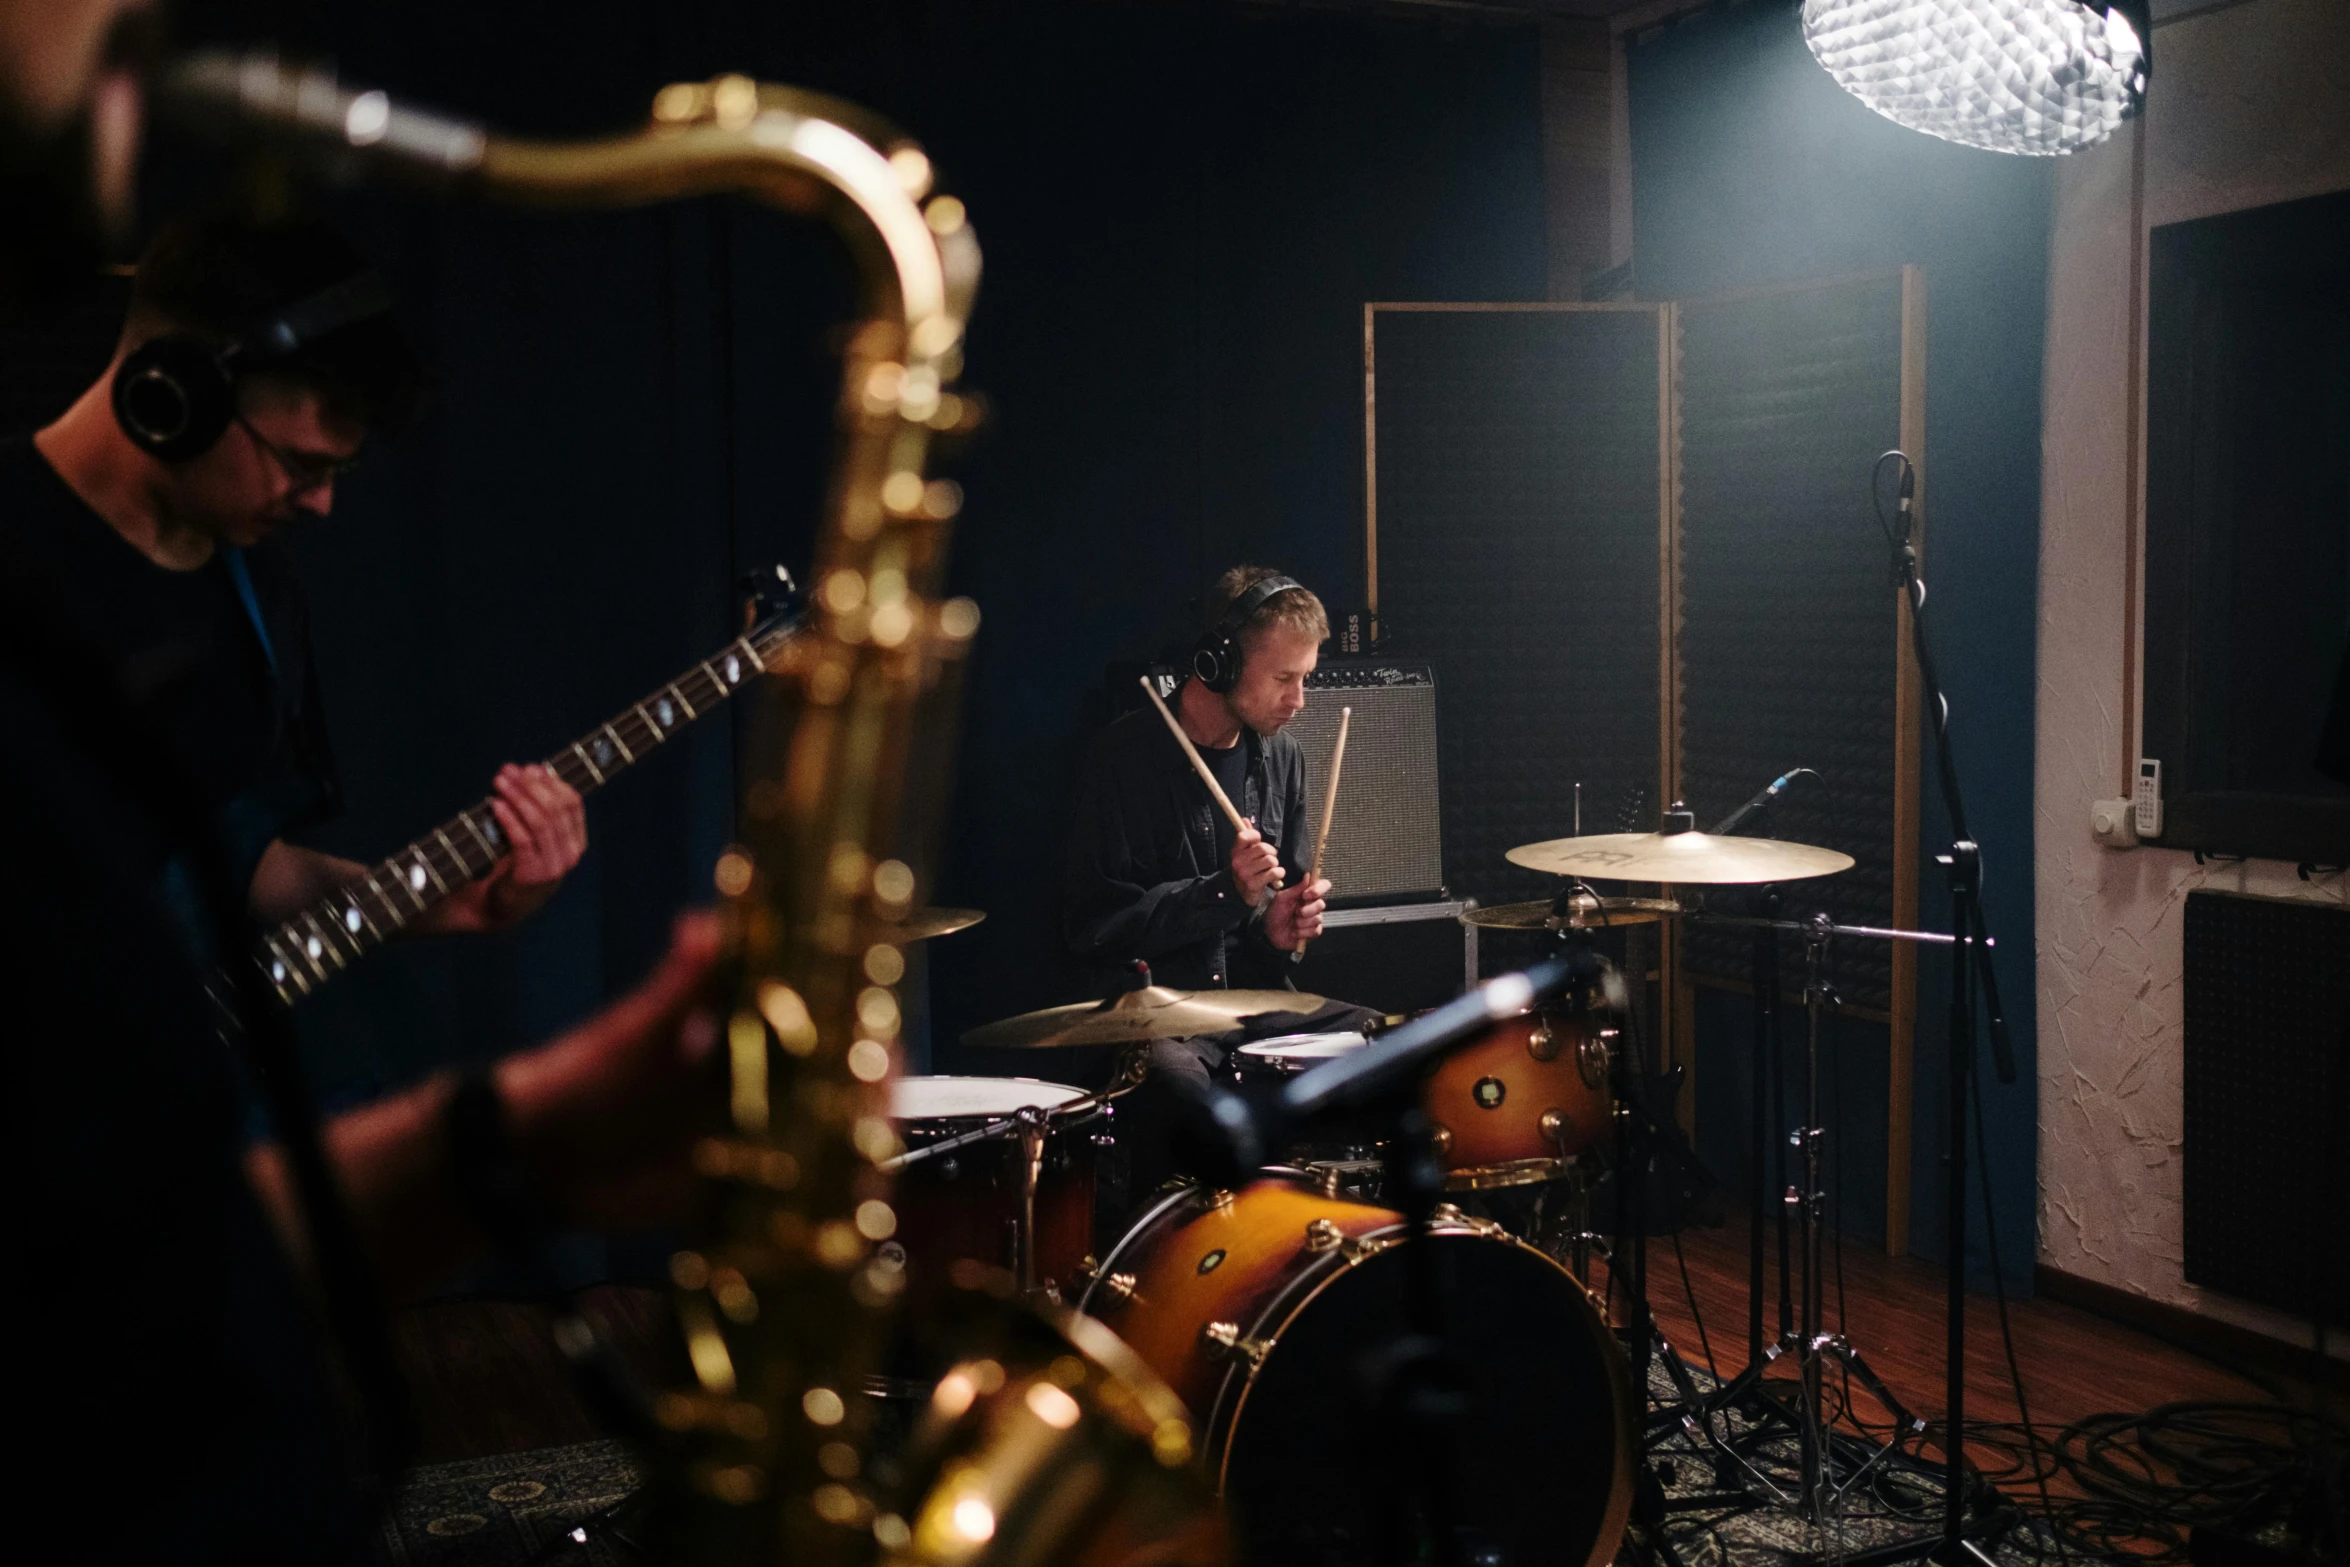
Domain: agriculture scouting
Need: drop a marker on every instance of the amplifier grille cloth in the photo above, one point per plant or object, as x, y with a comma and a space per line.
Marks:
1385, 838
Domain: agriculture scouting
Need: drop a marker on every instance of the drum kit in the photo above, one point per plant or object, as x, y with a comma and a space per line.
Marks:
1263, 1296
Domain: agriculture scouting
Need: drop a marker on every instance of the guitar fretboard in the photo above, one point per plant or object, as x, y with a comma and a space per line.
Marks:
330, 935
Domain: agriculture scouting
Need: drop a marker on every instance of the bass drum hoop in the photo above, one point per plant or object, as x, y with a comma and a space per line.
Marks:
1222, 1418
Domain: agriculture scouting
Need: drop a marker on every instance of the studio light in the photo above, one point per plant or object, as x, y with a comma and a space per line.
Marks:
2027, 76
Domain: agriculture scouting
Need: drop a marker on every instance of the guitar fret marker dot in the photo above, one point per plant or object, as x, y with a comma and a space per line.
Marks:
416, 875
734, 669
312, 947
662, 711
277, 973
351, 919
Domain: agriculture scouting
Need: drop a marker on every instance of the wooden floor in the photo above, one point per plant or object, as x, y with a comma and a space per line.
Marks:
488, 1380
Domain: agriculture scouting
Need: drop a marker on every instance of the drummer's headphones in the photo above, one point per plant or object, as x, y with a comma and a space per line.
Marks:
175, 394
1215, 659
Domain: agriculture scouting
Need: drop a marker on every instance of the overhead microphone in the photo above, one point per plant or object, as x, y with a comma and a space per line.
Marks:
1763, 797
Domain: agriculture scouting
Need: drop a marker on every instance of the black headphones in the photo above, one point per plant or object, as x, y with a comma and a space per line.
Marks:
175, 394
1215, 659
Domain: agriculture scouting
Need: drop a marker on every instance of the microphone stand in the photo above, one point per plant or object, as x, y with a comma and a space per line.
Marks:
1416, 1386
1957, 1545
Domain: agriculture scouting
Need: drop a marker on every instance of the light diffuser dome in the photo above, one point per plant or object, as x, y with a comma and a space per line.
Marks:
2026, 76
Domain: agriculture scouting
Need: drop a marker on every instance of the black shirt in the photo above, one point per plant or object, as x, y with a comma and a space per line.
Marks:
1148, 869
251, 741
159, 1315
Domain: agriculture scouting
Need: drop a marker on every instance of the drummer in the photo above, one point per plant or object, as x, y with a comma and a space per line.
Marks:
1155, 873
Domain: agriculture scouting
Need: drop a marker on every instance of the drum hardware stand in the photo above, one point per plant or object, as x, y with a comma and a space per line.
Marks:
1812, 1344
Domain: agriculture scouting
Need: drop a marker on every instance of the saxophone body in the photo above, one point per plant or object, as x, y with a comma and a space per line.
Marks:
1051, 1443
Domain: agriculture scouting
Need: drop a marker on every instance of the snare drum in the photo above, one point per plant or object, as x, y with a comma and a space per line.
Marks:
1286, 1055
966, 1203
1260, 1309
1516, 1104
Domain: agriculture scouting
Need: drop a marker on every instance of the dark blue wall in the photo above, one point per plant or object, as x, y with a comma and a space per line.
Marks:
1184, 209
1750, 166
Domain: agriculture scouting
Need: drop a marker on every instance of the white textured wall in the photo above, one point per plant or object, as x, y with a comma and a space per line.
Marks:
2249, 105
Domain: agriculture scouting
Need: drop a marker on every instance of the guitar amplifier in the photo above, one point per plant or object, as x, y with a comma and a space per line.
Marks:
1386, 845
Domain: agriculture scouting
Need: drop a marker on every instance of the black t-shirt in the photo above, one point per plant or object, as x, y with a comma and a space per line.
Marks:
1230, 765
157, 1313
243, 720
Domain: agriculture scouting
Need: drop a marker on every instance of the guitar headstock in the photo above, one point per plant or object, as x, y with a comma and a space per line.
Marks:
772, 602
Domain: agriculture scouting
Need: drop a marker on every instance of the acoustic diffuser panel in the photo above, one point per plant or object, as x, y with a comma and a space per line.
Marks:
1515, 536
2265, 1192
1790, 652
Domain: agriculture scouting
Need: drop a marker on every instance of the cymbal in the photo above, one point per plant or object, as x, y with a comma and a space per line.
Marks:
1586, 913
1681, 858
1153, 1012
922, 924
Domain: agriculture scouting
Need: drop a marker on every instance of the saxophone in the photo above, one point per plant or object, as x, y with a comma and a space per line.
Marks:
1054, 1444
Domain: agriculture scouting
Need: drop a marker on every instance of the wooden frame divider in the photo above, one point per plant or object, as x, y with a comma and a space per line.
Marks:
1677, 986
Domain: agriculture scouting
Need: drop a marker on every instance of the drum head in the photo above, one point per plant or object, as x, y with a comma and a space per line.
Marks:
1302, 1048
1318, 1475
950, 1098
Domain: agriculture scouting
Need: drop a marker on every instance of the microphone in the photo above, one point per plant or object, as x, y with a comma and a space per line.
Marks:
1769, 792
1365, 1076
1226, 1136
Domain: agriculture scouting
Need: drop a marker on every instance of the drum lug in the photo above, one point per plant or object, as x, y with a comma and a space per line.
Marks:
1543, 1043
1115, 1289
1083, 1274
1220, 1201
1553, 1125
1448, 1214
1223, 1338
1322, 1235
1440, 1138
1595, 1055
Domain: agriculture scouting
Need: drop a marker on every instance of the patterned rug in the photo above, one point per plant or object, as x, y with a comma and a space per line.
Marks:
567, 1505
556, 1504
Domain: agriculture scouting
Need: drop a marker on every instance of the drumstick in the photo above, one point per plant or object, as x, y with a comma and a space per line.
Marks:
1329, 805
1330, 794
1232, 812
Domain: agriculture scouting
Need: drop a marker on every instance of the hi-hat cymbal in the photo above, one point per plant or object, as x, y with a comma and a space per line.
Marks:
1153, 1012
922, 924
1681, 858
1584, 913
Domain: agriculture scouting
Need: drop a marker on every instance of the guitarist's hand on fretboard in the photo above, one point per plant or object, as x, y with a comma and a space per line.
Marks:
545, 826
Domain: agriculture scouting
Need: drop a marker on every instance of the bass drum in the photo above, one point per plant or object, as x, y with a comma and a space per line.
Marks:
1261, 1310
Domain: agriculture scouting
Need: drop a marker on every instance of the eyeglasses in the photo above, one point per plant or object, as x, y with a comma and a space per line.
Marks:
302, 471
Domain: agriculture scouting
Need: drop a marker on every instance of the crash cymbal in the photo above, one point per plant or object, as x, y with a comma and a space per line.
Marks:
1681, 858
1586, 912
922, 924
1153, 1012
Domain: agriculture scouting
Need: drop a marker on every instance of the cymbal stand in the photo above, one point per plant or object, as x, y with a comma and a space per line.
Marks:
1812, 1344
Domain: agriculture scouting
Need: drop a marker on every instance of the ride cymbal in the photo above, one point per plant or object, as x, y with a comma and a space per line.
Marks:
1153, 1012
922, 924
1583, 913
1683, 858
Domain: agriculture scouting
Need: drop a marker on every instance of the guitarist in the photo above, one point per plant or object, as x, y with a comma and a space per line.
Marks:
255, 360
